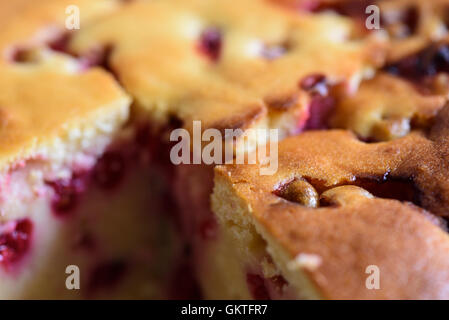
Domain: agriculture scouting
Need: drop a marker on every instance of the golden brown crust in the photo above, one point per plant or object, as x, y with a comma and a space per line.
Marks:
47, 100
367, 232
350, 229
409, 24
386, 107
33, 114
165, 72
23, 23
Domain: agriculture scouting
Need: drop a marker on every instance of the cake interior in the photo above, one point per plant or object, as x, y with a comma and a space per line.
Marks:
108, 212
136, 226
249, 265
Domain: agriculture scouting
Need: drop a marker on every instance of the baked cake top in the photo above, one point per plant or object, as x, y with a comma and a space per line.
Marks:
196, 60
349, 203
48, 98
25, 24
227, 65
387, 107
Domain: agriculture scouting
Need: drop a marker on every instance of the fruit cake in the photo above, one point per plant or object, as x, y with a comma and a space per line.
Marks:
335, 207
343, 202
86, 179
85, 122
65, 148
214, 49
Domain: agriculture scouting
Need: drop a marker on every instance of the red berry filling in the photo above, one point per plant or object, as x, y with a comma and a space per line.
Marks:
211, 43
16, 242
184, 286
208, 229
20, 55
110, 170
257, 287
425, 63
320, 111
98, 56
411, 19
351, 8
106, 275
388, 187
66, 193
321, 104
85, 241
60, 44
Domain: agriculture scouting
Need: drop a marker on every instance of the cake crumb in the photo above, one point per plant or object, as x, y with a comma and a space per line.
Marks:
305, 261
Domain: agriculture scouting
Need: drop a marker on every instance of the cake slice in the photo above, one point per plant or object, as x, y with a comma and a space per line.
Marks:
77, 189
76, 184
336, 210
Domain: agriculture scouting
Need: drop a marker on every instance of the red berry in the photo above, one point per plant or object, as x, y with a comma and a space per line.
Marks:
60, 43
256, 286
184, 285
411, 18
66, 192
15, 243
319, 112
106, 275
208, 229
109, 170
20, 55
211, 43
428, 62
85, 241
